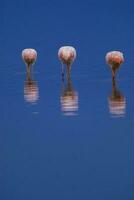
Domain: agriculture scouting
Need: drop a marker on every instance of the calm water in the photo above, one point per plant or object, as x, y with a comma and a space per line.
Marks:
66, 140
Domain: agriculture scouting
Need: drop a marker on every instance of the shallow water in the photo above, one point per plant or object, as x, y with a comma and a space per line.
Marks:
71, 139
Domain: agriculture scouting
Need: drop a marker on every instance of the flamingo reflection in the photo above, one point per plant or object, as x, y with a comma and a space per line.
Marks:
31, 91
69, 98
117, 102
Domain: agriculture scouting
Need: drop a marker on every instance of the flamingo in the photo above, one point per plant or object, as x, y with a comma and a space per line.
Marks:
114, 59
67, 55
29, 56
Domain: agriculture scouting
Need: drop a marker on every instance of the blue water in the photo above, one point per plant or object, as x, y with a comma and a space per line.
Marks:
66, 140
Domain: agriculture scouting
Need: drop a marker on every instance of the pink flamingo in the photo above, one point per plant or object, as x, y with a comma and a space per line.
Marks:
114, 59
29, 56
67, 55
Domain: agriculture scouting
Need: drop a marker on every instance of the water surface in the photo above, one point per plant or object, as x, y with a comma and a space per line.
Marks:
66, 140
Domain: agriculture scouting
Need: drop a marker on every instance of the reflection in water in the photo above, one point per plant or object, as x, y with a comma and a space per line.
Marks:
31, 91
69, 98
117, 102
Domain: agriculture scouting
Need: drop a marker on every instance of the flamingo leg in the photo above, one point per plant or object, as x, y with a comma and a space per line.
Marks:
62, 71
